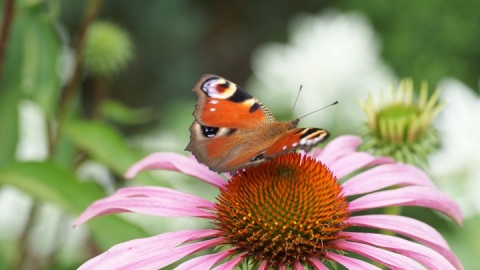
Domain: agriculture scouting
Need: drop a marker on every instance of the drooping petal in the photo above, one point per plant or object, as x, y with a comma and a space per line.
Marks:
298, 266
167, 194
170, 256
348, 164
381, 160
134, 252
178, 163
402, 225
385, 176
156, 201
263, 266
351, 263
409, 196
231, 263
390, 259
315, 152
411, 228
338, 148
203, 262
418, 252
155, 192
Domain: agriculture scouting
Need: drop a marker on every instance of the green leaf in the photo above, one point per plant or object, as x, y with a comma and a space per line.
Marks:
31, 64
41, 50
30, 69
10, 92
120, 113
464, 241
8, 126
105, 144
49, 182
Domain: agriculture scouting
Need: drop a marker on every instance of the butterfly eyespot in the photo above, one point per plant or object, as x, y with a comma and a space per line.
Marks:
223, 86
216, 87
209, 132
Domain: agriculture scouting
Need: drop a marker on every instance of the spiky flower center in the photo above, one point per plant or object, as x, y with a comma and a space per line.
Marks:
395, 121
398, 112
284, 211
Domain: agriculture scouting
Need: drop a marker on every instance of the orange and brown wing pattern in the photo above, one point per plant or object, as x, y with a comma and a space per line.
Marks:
222, 103
233, 130
298, 138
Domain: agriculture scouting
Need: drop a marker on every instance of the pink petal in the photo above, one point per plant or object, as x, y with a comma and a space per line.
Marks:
381, 160
231, 263
178, 163
350, 163
420, 253
390, 259
315, 152
156, 201
409, 196
338, 148
411, 228
135, 251
385, 176
318, 264
297, 266
155, 192
351, 263
402, 225
203, 262
166, 257
263, 266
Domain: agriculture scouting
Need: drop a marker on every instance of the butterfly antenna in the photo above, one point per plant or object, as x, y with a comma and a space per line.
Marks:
296, 99
334, 103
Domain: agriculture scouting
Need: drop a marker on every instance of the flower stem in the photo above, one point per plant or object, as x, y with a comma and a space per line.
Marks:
6, 23
24, 254
91, 12
101, 92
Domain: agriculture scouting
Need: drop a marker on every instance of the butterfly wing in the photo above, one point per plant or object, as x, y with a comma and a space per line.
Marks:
233, 130
221, 103
298, 138
226, 117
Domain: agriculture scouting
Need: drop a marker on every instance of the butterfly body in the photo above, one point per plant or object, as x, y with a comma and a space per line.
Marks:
233, 130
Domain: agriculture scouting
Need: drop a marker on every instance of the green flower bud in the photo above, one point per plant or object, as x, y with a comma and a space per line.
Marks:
107, 49
402, 127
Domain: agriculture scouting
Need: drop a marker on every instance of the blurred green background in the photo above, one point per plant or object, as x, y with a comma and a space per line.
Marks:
71, 124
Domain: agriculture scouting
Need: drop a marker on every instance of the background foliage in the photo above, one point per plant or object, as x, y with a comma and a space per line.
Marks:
68, 134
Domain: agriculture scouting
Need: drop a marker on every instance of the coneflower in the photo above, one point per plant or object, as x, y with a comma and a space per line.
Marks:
291, 212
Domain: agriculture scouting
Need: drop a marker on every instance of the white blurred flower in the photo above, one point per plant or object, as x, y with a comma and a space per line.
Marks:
32, 143
455, 165
335, 56
32, 146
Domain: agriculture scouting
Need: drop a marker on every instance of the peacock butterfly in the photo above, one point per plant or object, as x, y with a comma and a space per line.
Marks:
233, 130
